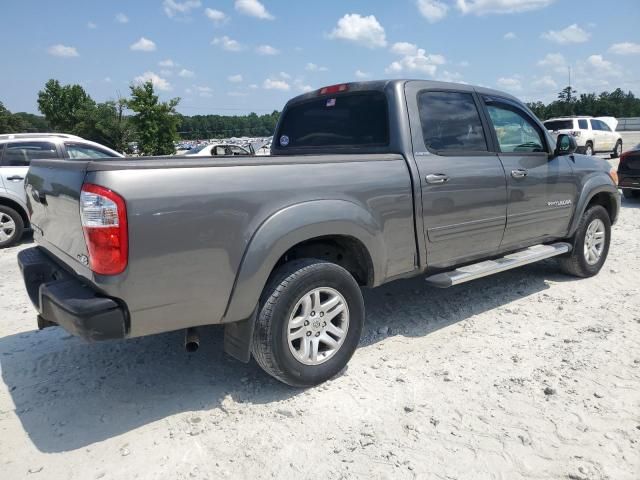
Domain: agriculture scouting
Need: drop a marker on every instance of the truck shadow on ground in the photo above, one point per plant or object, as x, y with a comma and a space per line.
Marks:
69, 394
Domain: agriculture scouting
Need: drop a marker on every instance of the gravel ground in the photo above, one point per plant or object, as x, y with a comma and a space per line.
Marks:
526, 374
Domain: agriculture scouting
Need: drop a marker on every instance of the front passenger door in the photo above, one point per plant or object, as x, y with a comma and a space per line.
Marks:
541, 192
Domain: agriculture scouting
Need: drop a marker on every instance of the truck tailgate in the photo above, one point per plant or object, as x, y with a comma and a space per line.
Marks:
53, 197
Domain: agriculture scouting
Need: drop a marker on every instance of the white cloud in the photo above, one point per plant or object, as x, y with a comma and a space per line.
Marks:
625, 48
253, 86
228, 44
284, 75
201, 90
276, 84
599, 63
60, 50
484, 7
365, 31
158, 82
312, 67
184, 73
432, 10
414, 59
173, 8
235, 78
572, 34
122, 18
510, 83
510, 36
253, 8
91, 26
553, 60
267, 50
143, 45
168, 63
304, 88
362, 75
545, 82
216, 16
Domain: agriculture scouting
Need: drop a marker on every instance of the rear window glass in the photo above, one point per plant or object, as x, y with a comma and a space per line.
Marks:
555, 125
451, 122
357, 119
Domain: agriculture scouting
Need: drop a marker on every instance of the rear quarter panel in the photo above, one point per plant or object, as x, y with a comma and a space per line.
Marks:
189, 228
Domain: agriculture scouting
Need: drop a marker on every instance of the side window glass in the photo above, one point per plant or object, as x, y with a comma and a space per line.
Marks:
85, 152
20, 154
594, 124
220, 150
582, 124
515, 131
603, 126
451, 122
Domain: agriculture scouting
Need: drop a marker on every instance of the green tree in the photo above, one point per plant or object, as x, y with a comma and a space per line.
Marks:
8, 121
155, 122
67, 108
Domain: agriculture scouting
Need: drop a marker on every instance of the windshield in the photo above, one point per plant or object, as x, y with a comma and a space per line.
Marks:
555, 125
357, 119
197, 149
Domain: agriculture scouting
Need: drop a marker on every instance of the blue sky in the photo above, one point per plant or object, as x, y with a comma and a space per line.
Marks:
236, 56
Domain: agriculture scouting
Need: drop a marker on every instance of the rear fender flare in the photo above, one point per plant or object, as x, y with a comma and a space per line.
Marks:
291, 226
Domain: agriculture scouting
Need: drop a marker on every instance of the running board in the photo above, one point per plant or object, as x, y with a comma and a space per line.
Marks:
489, 267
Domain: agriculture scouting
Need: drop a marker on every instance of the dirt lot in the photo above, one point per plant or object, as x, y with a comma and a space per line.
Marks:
527, 374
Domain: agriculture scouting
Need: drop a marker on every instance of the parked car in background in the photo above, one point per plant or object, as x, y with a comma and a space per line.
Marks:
592, 135
218, 149
629, 173
17, 150
368, 182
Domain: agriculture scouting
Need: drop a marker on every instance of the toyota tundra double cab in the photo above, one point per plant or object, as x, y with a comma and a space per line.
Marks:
368, 182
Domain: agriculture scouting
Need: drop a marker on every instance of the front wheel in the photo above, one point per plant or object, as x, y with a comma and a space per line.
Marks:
309, 322
617, 150
11, 226
590, 245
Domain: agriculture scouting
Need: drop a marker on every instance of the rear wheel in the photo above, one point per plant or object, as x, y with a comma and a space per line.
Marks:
590, 245
11, 226
309, 323
588, 148
617, 150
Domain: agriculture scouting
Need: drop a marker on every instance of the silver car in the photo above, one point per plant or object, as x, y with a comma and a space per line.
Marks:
16, 152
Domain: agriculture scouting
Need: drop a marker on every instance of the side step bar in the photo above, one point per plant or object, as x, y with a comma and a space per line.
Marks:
489, 267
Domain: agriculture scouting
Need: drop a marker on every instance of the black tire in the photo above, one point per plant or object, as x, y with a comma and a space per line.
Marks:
286, 287
18, 226
588, 148
617, 150
575, 262
630, 194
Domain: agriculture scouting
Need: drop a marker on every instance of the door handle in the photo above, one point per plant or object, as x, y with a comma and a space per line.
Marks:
436, 178
519, 173
15, 178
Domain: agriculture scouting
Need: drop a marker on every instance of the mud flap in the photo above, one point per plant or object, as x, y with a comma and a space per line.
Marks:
238, 337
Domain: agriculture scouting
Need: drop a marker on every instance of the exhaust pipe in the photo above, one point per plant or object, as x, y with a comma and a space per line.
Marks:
191, 340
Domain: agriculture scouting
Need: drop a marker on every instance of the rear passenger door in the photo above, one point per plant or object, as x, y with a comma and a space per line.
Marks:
15, 161
462, 181
541, 189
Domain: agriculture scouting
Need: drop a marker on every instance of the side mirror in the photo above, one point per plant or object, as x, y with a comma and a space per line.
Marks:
565, 145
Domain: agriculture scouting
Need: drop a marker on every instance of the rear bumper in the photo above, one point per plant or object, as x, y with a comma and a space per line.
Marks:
632, 182
64, 299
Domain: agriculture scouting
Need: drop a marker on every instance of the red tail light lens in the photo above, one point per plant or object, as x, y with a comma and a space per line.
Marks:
104, 221
343, 87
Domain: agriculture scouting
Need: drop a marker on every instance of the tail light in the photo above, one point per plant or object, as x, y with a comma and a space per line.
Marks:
343, 87
104, 222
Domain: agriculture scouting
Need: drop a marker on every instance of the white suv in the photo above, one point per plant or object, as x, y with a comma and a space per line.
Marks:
16, 152
592, 135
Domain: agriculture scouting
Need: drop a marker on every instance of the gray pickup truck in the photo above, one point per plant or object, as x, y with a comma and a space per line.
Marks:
368, 182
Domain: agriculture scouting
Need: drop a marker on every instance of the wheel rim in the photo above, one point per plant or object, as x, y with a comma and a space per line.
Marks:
7, 227
318, 326
594, 241
618, 149
589, 150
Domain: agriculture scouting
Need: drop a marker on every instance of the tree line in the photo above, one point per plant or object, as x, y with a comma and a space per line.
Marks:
156, 125
606, 104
